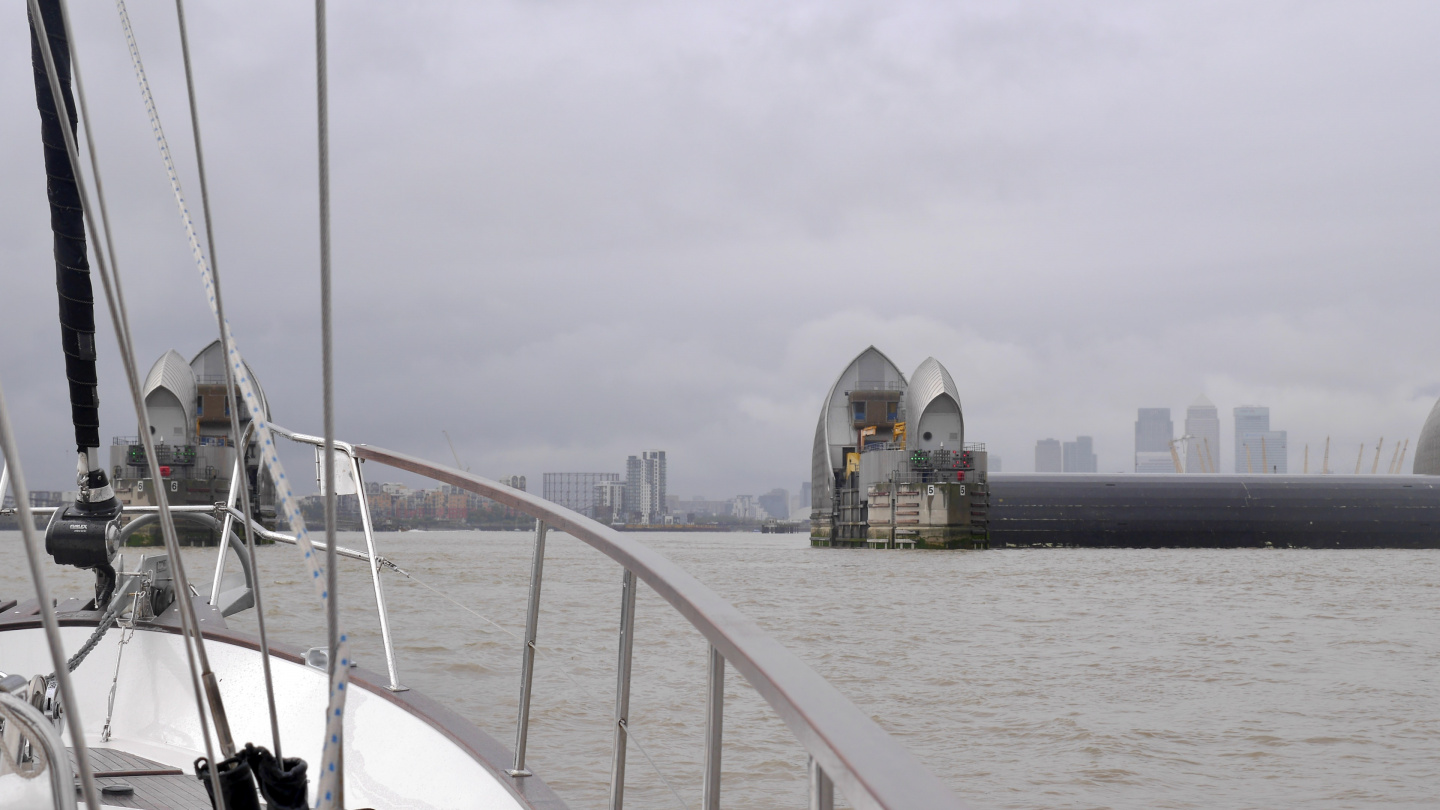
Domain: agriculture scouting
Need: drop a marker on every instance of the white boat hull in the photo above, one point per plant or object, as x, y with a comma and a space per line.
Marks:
395, 756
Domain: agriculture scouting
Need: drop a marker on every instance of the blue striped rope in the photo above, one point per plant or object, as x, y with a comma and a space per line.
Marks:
290, 506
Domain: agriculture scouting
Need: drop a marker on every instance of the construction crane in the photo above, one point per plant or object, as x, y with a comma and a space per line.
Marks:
458, 465
1175, 456
1376, 468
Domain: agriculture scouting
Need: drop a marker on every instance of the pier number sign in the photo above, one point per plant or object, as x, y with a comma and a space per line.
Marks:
930, 489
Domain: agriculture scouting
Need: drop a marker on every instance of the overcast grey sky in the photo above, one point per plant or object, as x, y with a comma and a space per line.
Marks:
567, 232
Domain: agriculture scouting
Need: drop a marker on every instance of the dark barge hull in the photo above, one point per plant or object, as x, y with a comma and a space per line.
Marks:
1214, 511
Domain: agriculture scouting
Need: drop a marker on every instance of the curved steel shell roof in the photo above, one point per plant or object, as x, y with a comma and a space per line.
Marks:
207, 365
1427, 449
173, 374
929, 382
822, 479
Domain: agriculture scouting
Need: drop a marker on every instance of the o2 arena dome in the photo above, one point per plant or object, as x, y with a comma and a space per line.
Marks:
1427, 450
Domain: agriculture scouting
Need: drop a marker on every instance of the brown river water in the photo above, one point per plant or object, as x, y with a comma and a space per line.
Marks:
1024, 679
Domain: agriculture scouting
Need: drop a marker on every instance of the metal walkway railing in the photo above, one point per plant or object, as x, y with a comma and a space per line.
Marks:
846, 748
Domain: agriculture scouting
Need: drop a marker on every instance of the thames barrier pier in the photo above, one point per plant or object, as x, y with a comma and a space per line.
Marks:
891, 468
189, 418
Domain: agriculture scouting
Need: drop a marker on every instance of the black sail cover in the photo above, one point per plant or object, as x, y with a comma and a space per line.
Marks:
67, 221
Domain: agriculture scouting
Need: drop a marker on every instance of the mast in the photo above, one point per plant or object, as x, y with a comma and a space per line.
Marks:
82, 533
72, 265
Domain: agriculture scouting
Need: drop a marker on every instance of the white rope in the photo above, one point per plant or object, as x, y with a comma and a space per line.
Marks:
240, 441
289, 505
335, 772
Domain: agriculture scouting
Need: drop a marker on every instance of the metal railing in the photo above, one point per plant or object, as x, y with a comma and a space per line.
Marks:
375, 561
846, 748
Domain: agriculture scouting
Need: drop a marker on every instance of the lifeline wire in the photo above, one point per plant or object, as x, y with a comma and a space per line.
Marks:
335, 772
289, 506
229, 389
187, 619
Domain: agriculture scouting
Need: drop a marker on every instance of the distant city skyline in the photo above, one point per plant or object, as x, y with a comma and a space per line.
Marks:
1258, 448
641, 496
1245, 428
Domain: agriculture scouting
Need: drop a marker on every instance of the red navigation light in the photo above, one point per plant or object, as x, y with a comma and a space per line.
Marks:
164, 472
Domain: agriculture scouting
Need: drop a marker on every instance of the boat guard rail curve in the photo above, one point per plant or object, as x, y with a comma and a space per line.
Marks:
867, 765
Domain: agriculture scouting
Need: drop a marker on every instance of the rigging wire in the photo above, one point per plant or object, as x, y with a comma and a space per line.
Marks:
230, 403
10, 450
195, 655
264, 437
119, 315
333, 776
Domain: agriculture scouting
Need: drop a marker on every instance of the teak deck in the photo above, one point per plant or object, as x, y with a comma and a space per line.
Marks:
157, 786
